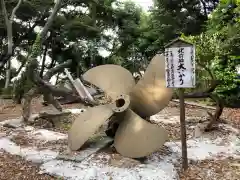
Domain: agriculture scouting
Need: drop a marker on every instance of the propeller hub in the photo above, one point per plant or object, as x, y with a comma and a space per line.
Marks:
121, 103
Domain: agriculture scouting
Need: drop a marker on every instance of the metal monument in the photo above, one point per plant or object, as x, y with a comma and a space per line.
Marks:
132, 105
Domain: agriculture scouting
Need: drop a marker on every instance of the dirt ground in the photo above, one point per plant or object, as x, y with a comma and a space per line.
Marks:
9, 110
14, 167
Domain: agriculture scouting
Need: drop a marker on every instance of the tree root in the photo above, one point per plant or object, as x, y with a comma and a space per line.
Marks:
26, 111
218, 112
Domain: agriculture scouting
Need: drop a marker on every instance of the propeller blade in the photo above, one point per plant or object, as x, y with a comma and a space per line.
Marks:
91, 120
112, 79
150, 94
136, 137
87, 124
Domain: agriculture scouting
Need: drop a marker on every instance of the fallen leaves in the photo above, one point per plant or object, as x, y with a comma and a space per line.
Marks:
213, 170
15, 168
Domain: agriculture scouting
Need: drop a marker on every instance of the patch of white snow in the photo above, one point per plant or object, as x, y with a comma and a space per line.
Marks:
166, 120
28, 128
16, 122
94, 168
31, 153
204, 148
230, 128
46, 135
76, 111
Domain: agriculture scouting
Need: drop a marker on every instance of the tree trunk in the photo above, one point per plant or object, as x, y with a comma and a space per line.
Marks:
43, 61
27, 103
57, 78
8, 74
8, 23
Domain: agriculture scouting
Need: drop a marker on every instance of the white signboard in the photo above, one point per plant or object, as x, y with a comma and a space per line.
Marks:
180, 67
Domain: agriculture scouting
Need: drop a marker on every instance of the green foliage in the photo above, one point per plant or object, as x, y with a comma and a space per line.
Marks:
36, 48
29, 13
169, 19
130, 36
205, 54
219, 49
228, 56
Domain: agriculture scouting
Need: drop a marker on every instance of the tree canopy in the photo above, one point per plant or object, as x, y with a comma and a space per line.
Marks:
99, 32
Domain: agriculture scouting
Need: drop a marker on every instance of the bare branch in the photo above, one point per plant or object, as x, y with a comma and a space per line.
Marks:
50, 20
15, 9
60, 92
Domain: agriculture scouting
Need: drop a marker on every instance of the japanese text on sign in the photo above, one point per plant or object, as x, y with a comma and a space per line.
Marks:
180, 67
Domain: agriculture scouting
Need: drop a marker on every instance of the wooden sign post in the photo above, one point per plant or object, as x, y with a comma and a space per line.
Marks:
180, 73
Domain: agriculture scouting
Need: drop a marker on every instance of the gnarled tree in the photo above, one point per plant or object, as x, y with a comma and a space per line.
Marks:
33, 64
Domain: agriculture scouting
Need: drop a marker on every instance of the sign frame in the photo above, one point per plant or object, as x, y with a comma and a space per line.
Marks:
170, 68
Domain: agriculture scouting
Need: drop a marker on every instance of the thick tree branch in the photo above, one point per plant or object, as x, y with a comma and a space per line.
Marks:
43, 61
50, 20
15, 10
38, 44
56, 69
58, 91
